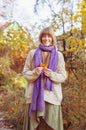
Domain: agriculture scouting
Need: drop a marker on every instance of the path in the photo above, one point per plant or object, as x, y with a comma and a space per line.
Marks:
3, 123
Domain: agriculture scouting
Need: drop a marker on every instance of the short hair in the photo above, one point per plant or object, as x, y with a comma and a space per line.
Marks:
49, 31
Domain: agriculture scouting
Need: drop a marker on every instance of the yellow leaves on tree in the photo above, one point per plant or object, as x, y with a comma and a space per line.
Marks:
73, 44
81, 14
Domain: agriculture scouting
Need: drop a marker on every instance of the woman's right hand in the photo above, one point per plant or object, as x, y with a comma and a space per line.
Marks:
38, 70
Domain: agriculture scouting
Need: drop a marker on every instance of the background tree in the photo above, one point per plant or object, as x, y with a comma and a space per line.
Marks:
14, 45
15, 42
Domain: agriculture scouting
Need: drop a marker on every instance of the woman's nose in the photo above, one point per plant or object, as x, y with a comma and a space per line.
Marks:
47, 37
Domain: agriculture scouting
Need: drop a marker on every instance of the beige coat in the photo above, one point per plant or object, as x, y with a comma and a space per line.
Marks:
53, 97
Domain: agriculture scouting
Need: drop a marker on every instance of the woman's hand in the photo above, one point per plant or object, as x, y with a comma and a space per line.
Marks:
38, 70
47, 72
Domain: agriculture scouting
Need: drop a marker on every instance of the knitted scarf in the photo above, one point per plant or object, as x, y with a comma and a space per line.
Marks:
38, 90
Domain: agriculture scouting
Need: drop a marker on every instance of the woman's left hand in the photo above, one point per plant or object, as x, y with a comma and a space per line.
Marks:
47, 72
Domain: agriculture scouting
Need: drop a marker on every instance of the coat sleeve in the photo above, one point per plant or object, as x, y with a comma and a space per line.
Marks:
60, 75
29, 74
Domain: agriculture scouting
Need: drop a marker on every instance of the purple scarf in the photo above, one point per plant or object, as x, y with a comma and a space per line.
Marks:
38, 90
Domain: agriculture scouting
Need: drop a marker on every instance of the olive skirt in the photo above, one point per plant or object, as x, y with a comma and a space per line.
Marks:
49, 119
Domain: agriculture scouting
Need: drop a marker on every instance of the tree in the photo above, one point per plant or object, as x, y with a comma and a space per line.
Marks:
81, 15
19, 42
6, 10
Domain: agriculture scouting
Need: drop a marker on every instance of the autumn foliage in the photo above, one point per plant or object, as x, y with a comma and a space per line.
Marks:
14, 46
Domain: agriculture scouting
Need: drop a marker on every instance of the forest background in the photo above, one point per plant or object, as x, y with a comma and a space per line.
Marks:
15, 43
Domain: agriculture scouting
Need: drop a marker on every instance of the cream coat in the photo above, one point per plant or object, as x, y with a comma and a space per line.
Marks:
53, 97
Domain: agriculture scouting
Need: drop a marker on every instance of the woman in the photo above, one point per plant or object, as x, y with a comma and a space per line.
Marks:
44, 71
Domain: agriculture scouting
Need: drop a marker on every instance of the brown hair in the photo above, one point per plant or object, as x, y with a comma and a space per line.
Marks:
49, 31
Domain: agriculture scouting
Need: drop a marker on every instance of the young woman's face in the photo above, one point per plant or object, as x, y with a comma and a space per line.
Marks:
46, 39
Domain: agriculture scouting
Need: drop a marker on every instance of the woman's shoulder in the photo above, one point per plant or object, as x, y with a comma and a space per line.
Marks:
60, 54
31, 52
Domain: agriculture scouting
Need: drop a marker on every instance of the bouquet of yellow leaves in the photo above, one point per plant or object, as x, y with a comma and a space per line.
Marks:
42, 65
